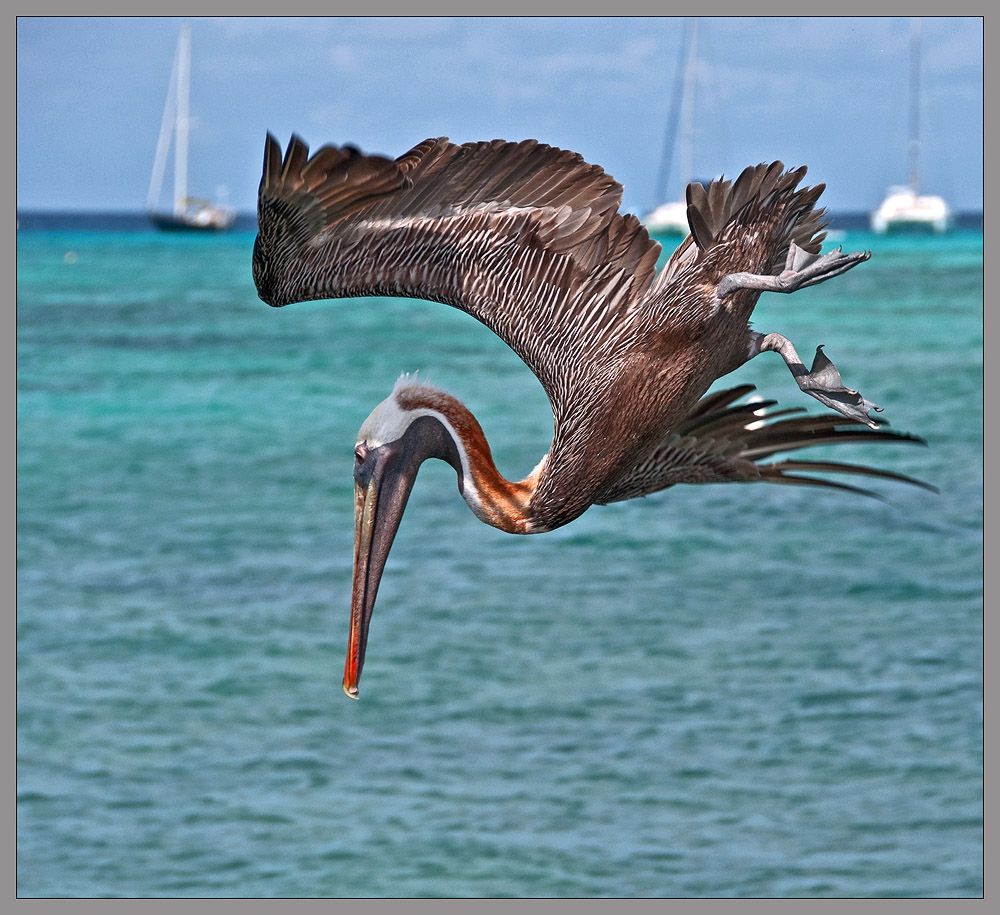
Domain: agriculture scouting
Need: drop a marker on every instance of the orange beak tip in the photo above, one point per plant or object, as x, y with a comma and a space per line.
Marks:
351, 692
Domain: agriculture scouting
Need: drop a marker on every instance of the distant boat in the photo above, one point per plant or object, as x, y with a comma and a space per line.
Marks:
904, 206
670, 218
189, 214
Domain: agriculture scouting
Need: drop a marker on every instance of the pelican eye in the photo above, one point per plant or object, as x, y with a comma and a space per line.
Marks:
360, 453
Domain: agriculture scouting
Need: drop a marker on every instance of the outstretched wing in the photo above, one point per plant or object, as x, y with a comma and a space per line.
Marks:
720, 442
746, 225
524, 237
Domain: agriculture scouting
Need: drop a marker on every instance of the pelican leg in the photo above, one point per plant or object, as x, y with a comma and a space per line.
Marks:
822, 381
801, 269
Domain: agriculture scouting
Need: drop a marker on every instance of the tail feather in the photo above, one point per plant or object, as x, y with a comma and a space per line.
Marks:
722, 441
779, 470
841, 432
723, 418
791, 480
718, 399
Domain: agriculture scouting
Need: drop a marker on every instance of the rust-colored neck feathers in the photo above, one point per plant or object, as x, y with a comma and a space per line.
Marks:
493, 499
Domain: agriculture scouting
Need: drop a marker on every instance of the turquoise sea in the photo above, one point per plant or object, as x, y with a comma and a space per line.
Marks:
715, 691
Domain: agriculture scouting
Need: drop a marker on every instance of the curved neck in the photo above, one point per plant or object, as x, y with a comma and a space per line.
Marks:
495, 500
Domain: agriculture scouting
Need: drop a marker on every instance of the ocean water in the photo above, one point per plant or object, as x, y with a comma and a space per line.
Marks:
715, 691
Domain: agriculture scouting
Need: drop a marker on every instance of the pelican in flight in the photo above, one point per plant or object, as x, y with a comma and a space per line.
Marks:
528, 240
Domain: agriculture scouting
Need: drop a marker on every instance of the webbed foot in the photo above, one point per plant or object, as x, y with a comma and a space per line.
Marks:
822, 381
825, 384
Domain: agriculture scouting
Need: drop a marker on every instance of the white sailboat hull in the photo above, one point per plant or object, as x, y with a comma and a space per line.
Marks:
668, 219
904, 209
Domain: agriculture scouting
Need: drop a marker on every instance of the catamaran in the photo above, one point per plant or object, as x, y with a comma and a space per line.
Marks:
904, 206
189, 214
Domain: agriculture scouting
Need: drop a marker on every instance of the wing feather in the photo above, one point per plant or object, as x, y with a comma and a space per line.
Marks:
488, 227
724, 442
746, 225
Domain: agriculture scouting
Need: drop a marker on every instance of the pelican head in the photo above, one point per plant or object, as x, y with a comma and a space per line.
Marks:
402, 432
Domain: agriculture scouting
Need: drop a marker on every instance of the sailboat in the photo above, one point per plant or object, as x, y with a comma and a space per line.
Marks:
905, 207
670, 218
188, 214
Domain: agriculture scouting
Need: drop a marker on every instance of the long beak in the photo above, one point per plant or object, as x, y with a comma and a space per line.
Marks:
380, 496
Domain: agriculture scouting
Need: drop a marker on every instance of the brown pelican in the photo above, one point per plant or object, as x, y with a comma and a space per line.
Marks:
528, 239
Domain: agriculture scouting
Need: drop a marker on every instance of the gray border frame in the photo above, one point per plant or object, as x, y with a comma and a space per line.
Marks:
8, 836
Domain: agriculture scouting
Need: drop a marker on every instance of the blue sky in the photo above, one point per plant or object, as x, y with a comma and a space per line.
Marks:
828, 92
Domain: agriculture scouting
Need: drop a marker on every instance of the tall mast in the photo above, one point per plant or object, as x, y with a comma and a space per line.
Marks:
914, 145
163, 141
670, 133
687, 107
181, 124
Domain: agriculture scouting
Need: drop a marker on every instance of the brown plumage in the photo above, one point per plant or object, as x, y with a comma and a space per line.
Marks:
528, 239
719, 442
